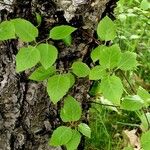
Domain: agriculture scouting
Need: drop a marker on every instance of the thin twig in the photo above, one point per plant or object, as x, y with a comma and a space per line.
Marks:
118, 107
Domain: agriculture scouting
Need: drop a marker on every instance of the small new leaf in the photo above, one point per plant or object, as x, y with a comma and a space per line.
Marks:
48, 54
75, 140
61, 32
7, 30
58, 86
106, 29
71, 110
112, 89
67, 40
128, 61
26, 58
61, 136
25, 30
41, 74
84, 129
80, 69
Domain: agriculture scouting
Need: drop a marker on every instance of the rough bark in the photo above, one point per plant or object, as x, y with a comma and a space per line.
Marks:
27, 116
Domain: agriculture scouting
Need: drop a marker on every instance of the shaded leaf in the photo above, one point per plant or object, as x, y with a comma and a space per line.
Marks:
41, 74
144, 124
144, 95
84, 129
132, 103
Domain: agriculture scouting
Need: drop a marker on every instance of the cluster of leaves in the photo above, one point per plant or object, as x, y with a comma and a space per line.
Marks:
108, 62
45, 55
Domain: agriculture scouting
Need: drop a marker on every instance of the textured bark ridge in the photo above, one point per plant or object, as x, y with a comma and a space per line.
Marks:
27, 116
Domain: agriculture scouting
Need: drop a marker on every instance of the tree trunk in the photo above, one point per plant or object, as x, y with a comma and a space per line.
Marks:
27, 116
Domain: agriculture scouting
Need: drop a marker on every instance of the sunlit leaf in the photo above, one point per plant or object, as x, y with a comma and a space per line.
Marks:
61, 32
80, 69
7, 30
25, 30
58, 86
61, 136
71, 110
26, 58
106, 29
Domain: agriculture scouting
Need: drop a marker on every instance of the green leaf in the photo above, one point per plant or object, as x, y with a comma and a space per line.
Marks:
58, 86
7, 31
61, 136
26, 58
95, 89
38, 18
48, 54
110, 57
144, 124
75, 140
71, 110
106, 29
132, 103
144, 95
97, 73
112, 89
128, 61
84, 129
145, 140
80, 69
145, 5
72, 79
25, 30
41, 74
67, 40
61, 32
95, 54
144, 118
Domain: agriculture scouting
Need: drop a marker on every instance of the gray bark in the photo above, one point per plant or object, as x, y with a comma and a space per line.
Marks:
27, 116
